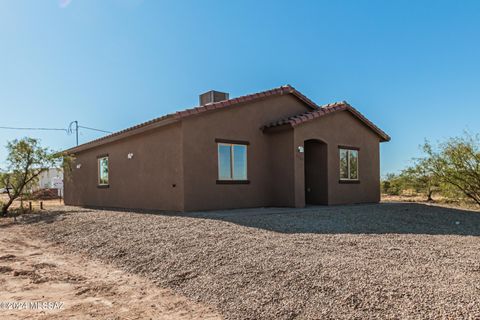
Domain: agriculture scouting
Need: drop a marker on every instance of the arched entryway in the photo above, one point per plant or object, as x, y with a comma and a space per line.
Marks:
316, 172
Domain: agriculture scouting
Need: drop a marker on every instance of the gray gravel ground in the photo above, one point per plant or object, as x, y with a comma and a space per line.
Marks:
385, 261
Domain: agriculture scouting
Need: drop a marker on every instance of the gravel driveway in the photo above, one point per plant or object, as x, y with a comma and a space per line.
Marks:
402, 261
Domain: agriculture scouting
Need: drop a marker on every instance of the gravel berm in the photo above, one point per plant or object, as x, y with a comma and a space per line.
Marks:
382, 261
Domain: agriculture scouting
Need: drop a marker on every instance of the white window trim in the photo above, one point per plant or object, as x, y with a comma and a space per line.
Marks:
232, 160
99, 174
348, 164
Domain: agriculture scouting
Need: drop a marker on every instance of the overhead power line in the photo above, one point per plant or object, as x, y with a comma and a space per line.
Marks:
43, 129
104, 131
72, 127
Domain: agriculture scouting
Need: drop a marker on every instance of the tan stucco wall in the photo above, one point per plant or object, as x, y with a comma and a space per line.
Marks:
152, 179
281, 163
175, 167
345, 130
239, 123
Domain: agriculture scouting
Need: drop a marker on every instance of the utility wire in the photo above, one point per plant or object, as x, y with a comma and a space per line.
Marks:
95, 129
72, 127
43, 129
53, 129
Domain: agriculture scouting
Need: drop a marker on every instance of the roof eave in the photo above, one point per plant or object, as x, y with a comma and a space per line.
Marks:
120, 135
277, 128
338, 107
383, 136
385, 139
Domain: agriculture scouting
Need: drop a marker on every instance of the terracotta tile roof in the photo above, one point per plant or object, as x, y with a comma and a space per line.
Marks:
248, 98
324, 110
286, 89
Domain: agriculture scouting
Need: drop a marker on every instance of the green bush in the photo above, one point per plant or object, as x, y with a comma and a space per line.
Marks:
452, 170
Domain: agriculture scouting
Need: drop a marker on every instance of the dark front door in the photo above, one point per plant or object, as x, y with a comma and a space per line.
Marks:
316, 173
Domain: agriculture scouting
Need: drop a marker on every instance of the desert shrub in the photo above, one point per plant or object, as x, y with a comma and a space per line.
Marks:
391, 185
451, 169
420, 179
456, 164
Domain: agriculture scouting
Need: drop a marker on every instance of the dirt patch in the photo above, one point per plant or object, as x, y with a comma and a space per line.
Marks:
43, 265
7, 257
34, 270
403, 261
5, 269
47, 204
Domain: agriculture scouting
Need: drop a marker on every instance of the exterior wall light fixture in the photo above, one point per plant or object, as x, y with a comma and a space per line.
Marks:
130, 155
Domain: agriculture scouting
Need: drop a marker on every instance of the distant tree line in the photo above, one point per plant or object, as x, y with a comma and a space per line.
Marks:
451, 170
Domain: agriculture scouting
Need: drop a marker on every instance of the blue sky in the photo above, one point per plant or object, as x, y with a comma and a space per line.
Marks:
412, 67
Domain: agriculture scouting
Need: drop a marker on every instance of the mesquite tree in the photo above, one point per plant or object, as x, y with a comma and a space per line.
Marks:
457, 162
421, 179
26, 160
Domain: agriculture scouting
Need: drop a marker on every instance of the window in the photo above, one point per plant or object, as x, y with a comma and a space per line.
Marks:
232, 162
348, 164
103, 171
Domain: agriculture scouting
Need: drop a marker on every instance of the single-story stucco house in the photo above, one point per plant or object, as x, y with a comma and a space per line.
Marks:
272, 148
